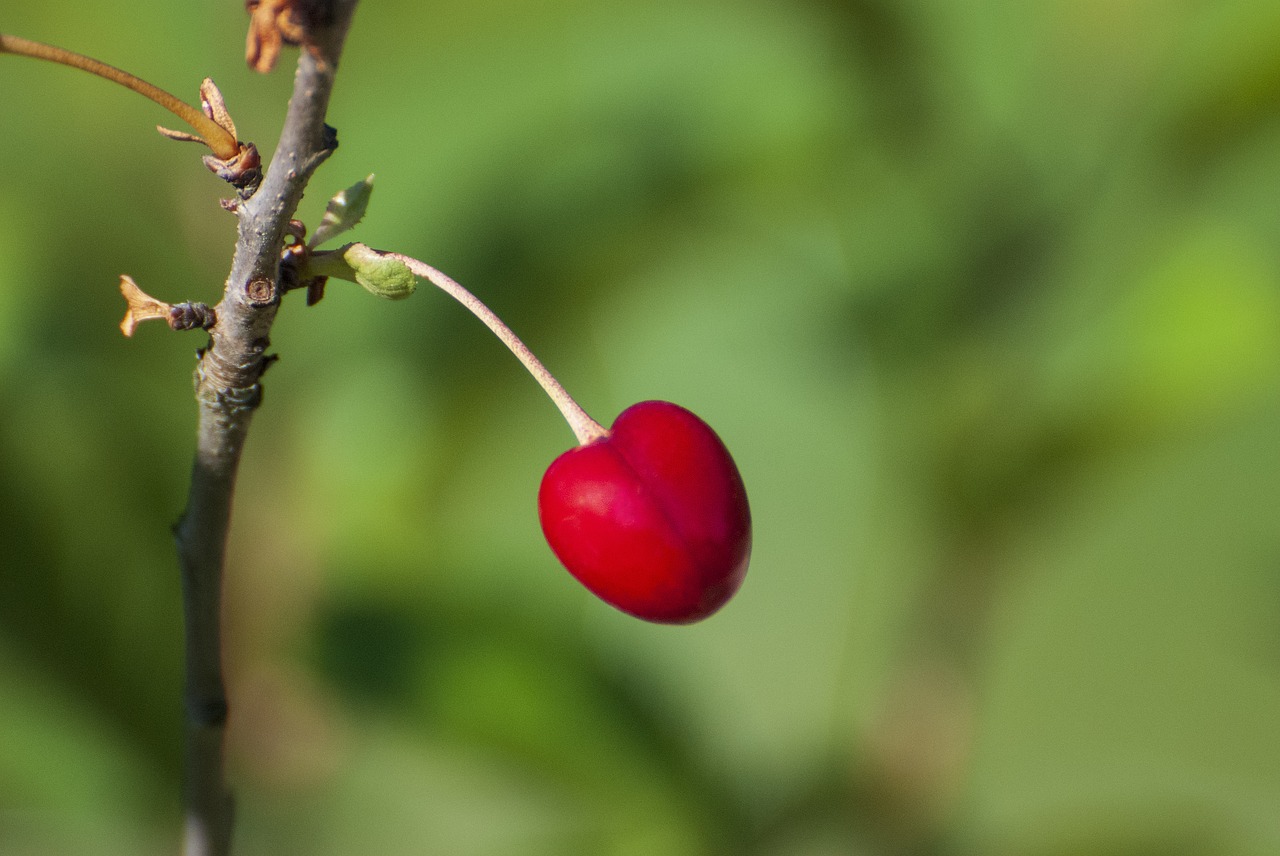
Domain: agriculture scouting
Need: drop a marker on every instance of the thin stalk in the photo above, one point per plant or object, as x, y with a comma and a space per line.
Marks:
584, 427
224, 145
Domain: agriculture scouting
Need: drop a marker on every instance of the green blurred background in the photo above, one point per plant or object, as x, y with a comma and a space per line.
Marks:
984, 297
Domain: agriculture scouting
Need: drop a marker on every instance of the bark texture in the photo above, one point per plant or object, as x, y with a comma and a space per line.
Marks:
228, 390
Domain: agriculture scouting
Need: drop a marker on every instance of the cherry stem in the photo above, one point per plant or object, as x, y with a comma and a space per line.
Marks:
584, 427
224, 145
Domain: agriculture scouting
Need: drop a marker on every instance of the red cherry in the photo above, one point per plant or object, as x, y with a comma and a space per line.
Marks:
651, 517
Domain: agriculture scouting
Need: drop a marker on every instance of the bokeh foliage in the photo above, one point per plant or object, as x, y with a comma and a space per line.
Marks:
985, 298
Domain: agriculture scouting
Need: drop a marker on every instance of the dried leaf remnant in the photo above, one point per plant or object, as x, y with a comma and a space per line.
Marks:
144, 307
272, 24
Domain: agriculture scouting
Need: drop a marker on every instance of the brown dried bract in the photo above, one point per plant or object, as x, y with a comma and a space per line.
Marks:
142, 306
181, 136
215, 107
272, 23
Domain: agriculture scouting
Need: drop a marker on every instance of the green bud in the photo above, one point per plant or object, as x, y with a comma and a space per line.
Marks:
344, 211
379, 273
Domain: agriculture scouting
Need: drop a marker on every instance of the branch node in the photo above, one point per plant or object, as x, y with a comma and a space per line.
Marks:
329, 138
261, 292
191, 316
144, 307
243, 172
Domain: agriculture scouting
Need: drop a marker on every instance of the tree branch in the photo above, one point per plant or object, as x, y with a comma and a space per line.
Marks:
228, 391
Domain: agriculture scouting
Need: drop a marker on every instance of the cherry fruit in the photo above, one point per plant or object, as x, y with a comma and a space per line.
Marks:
652, 517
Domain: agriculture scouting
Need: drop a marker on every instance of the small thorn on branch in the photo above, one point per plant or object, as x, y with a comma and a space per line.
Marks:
144, 307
